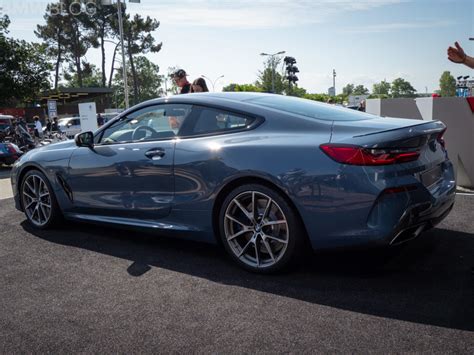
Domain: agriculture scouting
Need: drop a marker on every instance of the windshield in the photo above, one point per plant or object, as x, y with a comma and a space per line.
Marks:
310, 108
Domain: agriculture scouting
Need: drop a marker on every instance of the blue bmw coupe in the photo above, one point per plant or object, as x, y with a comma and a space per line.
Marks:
265, 175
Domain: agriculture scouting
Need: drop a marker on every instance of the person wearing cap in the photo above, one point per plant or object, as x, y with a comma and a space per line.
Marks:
181, 81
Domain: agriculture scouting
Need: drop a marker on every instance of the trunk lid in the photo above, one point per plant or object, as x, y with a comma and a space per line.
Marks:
401, 134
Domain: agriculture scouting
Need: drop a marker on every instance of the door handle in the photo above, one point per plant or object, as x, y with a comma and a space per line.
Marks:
155, 153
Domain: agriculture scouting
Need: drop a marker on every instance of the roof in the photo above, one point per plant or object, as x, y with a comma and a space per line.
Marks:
73, 94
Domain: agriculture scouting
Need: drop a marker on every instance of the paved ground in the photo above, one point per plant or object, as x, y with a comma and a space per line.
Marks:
91, 289
5, 186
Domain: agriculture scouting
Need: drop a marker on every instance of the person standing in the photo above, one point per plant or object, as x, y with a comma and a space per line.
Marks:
38, 128
179, 77
100, 120
55, 125
199, 85
457, 55
361, 106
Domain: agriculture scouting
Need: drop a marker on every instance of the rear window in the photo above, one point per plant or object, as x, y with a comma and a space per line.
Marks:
310, 108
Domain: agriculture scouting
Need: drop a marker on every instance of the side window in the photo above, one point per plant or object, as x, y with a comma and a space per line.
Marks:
149, 123
210, 120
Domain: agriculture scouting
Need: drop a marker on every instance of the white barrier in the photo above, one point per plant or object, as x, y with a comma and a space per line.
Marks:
455, 112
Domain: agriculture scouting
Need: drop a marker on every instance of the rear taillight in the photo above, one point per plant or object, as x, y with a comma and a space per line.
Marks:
440, 138
355, 155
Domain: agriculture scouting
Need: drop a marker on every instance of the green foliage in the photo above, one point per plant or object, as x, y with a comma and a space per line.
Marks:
378, 96
241, 87
360, 90
264, 81
91, 77
402, 88
296, 91
52, 34
4, 23
78, 38
149, 82
447, 84
137, 33
348, 89
24, 68
101, 25
382, 88
339, 99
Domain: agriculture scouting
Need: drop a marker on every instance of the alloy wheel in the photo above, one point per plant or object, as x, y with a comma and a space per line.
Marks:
256, 229
36, 200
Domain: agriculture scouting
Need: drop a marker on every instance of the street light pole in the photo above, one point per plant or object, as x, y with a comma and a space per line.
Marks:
272, 58
213, 83
124, 62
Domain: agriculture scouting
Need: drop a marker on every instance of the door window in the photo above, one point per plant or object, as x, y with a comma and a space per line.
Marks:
149, 123
210, 120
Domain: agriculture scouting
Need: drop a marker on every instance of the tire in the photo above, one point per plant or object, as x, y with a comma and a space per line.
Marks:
36, 194
265, 241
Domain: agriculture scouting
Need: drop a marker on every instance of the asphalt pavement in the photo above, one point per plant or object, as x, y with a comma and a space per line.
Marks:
83, 288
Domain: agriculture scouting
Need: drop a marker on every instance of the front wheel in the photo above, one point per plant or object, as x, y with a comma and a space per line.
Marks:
259, 228
38, 200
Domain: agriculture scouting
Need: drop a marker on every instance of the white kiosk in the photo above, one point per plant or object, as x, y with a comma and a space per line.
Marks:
88, 115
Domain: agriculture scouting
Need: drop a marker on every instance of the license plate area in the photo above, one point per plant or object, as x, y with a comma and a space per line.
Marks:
432, 176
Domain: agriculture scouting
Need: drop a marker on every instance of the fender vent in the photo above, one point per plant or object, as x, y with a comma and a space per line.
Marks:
65, 187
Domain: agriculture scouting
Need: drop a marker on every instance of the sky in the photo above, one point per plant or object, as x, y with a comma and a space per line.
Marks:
365, 41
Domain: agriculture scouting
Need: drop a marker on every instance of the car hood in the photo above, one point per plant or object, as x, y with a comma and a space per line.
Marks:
57, 146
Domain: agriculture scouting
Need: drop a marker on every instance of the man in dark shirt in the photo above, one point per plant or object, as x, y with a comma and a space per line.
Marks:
100, 120
179, 77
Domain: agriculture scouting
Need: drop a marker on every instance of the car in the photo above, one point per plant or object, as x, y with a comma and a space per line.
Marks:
5, 122
9, 153
264, 175
70, 126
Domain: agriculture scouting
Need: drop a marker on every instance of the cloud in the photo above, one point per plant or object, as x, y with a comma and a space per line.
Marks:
400, 26
251, 14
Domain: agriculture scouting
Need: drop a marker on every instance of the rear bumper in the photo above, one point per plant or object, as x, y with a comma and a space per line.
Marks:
418, 219
365, 210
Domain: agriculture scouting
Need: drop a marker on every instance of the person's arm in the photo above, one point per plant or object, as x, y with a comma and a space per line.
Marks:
457, 55
469, 62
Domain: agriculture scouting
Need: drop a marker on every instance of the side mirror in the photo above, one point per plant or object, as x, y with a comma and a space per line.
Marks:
84, 139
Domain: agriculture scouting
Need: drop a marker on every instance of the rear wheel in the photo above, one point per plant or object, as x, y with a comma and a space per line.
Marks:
38, 200
259, 229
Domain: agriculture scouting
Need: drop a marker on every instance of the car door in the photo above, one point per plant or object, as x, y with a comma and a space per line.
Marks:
200, 156
129, 171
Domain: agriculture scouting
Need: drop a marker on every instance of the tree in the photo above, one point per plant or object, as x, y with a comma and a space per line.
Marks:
78, 37
138, 38
382, 88
402, 88
447, 85
52, 33
148, 81
91, 77
360, 90
101, 25
264, 81
296, 91
348, 89
24, 68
